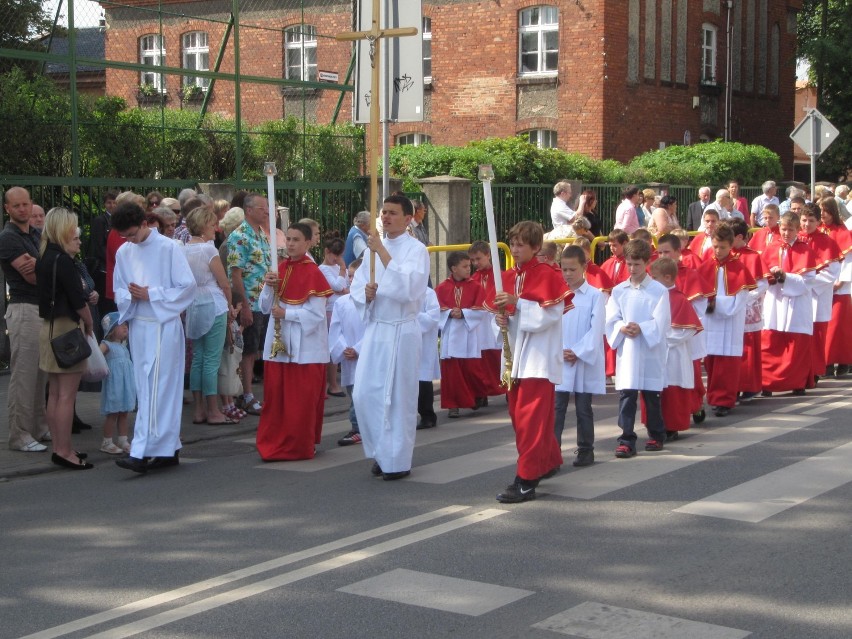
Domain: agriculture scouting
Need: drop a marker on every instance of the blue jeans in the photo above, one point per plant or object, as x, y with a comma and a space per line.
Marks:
206, 357
585, 418
353, 419
627, 416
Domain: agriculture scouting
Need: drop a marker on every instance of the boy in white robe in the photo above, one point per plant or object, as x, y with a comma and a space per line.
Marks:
637, 321
583, 354
386, 384
430, 370
153, 285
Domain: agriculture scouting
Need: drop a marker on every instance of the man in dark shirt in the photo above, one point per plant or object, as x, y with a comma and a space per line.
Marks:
18, 254
96, 260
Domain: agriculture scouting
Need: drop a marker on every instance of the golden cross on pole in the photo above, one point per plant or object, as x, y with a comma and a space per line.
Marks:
373, 36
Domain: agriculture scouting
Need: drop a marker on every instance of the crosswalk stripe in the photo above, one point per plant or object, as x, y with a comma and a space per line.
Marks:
825, 408
339, 456
798, 404
616, 474
775, 492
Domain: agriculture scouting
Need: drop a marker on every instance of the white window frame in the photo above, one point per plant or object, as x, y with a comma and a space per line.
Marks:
709, 47
542, 138
540, 21
413, 139
427, 42
301, 38
196, 51
152, 51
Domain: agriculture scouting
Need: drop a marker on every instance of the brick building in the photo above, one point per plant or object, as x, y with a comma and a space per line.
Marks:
609, 78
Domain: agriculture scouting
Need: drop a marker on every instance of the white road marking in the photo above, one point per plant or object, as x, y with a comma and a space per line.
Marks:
775, 492
242, 573
616, 474
449, 594
826, 408
798, 404
312, 570
592, 620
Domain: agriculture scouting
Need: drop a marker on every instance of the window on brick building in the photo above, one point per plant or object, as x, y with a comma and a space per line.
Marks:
538, 45
708, 54
427, 49
542, 138
415, 139
152, 52
300, 44
196, 55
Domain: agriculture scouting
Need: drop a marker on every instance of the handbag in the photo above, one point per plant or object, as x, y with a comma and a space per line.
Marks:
70, 348
97, 368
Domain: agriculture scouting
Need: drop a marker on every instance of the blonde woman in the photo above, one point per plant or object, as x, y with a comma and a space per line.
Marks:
68, 304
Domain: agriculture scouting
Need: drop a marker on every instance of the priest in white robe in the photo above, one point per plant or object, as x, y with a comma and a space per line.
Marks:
153, 285
386, 380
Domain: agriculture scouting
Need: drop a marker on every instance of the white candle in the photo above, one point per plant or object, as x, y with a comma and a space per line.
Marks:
492, 236
273, 239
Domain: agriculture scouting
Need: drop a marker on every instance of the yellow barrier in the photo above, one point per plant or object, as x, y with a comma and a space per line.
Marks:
510, 261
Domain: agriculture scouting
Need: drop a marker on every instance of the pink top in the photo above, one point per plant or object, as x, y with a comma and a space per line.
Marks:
625, 217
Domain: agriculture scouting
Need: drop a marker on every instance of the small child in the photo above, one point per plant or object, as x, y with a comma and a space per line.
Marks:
687, 257
334, 269
582, 353
344, 342
702, 244
594, 274
675, 400
638, 318
487, 380
229, 382
461, 301
118, 396
429, 318
547, 255
534, 297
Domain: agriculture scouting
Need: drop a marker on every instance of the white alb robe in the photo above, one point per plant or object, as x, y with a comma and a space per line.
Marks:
429, 318
460, 337
345, 331
536, 349
822, 291
304, 331
156, 337
386, 379
725, 326
641, 360
788, 307
582, 329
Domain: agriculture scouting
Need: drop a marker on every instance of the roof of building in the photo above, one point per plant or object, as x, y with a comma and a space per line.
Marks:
90, 44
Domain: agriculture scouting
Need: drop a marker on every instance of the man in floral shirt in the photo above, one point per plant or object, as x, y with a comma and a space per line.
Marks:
248, 262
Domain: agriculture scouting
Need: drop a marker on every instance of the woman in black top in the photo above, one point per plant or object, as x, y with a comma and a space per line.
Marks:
67, 303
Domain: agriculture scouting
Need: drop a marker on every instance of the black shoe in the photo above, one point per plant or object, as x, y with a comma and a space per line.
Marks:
799, 392
349, 439
79, 424
585, 457
376, 470
841, 370
517, 492
551, 473
133, 463
766, 393
699, 416
64, 463
427, 423
164, 462
672, 435
393, 476
721, 411
480, 402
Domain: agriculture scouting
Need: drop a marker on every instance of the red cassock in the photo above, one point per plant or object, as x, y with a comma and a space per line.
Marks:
786, 357
689, 259
616, 269
486, 372
598, 278
723, 371
698, 247
825, 252
457, 373
751, 367
838, 338
290, 423
764, 237
531, 400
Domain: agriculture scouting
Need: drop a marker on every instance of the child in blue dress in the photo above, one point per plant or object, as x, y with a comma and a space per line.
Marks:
118, 396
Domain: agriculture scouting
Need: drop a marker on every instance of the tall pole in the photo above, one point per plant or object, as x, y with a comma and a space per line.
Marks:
814, 151
729, 64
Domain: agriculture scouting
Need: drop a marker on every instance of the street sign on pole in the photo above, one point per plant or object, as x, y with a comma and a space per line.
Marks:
814, 134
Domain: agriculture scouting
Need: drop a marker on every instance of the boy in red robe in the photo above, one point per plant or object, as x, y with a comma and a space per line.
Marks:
486, 376
838, 339
534, 298
687, 257
460, 300
290, 425
770, 233
702, 244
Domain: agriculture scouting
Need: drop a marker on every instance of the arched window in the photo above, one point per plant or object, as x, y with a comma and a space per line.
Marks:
538, 44
300, 43
196, 55
152, 52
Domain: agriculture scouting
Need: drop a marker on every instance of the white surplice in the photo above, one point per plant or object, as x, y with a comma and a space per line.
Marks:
386, 380
345, 331
460, 337
536, 349
725, 326
429, 318
582, 329
304, 331
787, 307
156, 337
822, 291
641, 360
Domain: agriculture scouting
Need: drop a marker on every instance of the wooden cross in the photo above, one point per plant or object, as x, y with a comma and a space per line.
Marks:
373, 36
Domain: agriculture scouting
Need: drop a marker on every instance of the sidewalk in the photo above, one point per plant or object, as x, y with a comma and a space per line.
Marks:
17, 464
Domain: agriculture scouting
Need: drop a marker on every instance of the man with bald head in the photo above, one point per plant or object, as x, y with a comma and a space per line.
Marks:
18, 254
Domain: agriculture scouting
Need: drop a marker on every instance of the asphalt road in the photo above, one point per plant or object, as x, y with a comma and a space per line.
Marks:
741, 528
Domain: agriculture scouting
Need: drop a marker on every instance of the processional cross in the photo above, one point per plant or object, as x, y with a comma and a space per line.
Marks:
373, 36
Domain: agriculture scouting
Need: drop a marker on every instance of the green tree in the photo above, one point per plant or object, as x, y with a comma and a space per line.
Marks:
21, 22
825, 41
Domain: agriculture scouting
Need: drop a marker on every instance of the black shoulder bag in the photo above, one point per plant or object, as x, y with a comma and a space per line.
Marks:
70, 348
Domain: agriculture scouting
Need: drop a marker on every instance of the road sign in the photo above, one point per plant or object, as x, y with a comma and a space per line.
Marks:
814, 134
328, 76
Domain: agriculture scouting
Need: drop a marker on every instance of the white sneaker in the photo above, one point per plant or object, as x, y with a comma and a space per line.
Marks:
32, 447
46, 437
111, 449
125, 447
